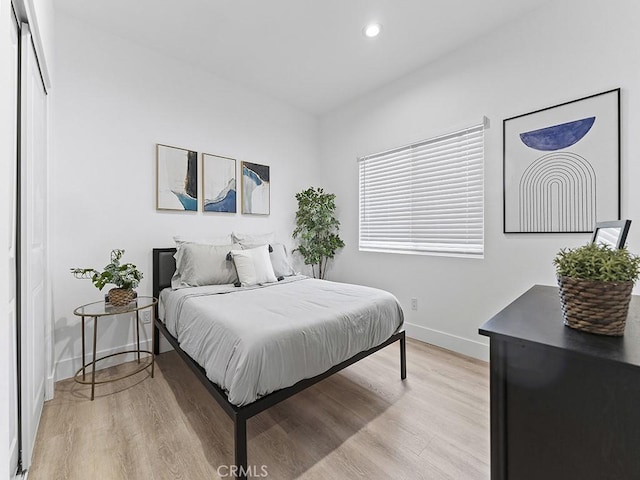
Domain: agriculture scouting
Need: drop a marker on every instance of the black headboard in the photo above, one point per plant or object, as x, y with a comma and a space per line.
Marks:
164, 266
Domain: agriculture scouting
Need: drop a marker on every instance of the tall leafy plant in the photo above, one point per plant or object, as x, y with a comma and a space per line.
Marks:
317, 228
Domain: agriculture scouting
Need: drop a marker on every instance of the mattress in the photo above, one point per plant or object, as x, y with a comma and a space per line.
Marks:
252, 341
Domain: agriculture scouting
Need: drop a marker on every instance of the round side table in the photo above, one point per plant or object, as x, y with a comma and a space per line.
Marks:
101, 309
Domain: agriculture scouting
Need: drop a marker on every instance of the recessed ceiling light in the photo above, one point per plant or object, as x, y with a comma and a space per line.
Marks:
372, 30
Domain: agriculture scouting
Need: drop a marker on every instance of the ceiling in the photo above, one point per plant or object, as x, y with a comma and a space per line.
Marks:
310, 54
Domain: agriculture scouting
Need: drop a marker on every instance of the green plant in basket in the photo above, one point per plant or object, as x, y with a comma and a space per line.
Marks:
598, 263
125, 276
595, 287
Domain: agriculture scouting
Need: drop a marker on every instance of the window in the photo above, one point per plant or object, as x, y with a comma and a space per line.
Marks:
427, 197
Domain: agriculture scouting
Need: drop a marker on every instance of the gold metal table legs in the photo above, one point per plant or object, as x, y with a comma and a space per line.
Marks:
143, 363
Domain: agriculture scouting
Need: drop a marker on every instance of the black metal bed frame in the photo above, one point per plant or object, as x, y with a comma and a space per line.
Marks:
163, 269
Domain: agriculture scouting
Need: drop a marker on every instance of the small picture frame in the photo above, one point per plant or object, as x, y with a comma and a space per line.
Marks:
613, 233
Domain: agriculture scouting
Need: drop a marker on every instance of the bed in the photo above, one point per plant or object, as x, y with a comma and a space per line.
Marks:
239, 341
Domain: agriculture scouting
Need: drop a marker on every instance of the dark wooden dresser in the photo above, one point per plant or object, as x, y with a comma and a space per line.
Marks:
564, 404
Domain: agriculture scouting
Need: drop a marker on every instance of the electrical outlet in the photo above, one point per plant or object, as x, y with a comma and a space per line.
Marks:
414, 304
146, 316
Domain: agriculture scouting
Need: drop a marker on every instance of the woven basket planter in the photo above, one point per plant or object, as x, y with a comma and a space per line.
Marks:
119, 297
595, 307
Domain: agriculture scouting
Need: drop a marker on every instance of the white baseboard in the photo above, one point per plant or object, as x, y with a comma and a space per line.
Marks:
165, 346
22, 476
13, 454
458, 344
49, 385
67, 367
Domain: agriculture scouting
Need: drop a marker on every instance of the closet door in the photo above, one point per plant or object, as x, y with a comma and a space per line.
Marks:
32, 221
11, 153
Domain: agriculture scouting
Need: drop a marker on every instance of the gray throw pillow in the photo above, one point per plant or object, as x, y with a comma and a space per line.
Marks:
198, 265
280, 261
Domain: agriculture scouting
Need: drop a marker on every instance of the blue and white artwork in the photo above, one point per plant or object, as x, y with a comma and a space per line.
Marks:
562, 166
256, 189
219, 184
176, 179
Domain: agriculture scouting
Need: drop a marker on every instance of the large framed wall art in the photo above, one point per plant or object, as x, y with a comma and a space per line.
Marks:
176, 179
562, 166
256, 189
218, 183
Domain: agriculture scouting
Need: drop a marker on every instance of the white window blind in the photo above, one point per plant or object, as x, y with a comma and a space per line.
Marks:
427, 197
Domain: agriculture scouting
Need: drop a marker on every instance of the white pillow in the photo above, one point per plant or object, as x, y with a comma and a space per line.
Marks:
198, 265
213, 240
253, 266
280, 261
252, 238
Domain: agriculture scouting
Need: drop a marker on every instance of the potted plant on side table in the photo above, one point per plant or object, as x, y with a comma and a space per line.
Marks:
124, 276
595, 287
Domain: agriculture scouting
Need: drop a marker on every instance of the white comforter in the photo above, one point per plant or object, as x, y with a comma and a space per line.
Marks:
252, 341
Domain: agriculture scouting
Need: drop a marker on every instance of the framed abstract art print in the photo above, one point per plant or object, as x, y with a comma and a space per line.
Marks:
218, 183
176, 179
562, 166
256, 189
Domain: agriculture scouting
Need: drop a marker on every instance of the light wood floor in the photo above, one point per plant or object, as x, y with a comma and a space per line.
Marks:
361, 423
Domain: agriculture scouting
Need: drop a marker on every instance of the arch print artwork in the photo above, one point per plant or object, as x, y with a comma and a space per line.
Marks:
562, 166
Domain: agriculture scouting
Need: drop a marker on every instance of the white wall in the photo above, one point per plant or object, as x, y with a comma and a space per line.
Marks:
114, 101
564, 51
